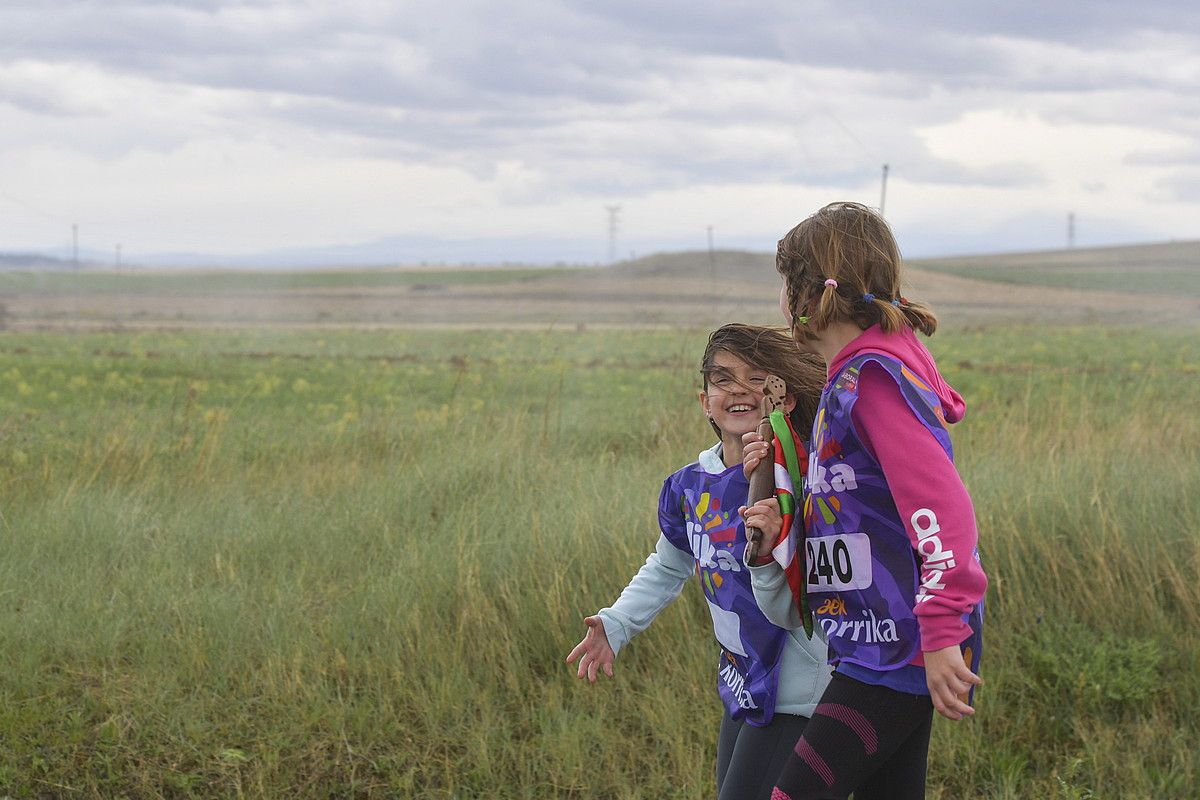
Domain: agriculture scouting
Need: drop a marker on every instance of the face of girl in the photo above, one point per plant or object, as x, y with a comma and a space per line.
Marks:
734, 395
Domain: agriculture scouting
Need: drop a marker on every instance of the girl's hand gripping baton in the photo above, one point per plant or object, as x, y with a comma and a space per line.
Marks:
762, 480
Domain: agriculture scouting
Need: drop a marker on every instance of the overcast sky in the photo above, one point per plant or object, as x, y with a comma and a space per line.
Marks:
501, 130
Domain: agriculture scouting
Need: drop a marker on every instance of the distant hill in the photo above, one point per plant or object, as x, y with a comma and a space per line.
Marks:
1166, 268
694, 289
22, 261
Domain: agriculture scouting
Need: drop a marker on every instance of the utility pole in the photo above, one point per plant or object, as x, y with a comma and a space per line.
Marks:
711, 257
1070, 230
613, 211
75, 244
118, 260
883, 190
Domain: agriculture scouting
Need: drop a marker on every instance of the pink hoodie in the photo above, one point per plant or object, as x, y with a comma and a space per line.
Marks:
920, 476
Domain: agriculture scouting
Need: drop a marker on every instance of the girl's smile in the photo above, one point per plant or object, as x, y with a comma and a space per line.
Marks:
732, 399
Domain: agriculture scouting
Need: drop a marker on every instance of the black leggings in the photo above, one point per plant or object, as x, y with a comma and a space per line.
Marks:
865, 739
750, 758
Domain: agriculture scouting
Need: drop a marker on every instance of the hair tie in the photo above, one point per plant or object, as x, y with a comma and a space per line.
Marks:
868, 298
896, 303
831, 282
801, 320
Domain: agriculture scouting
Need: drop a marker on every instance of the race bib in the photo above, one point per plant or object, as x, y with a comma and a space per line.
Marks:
840, 562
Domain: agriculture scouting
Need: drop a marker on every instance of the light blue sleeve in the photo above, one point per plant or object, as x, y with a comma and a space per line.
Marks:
653, 588
774, 596
803, 670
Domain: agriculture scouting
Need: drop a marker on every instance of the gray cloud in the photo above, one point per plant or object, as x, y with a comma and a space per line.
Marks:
589, 51
1181, 186
625, 98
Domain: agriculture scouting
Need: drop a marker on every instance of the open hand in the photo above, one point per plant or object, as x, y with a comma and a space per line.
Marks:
949, 681
593, 651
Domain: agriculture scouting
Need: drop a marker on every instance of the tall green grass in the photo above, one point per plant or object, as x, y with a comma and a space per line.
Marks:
349, 564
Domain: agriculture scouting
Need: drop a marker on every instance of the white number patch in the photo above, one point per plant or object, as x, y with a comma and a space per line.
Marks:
839, 562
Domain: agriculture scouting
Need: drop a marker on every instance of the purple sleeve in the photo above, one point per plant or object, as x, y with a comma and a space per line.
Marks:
932, 502
670, 516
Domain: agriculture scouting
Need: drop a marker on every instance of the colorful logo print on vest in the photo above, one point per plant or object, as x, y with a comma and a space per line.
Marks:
710, 536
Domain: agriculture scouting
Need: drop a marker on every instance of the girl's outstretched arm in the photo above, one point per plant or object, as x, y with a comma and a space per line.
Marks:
593, 651
656, 584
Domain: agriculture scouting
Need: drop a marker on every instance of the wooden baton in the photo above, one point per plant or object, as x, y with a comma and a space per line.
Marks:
762, 479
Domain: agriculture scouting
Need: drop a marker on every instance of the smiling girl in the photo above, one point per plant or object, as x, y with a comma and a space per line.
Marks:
769, 678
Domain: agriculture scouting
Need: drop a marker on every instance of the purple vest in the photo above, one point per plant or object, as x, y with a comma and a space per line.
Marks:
698, 513
862, 570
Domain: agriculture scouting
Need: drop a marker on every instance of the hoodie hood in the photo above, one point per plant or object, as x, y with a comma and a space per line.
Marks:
908, 350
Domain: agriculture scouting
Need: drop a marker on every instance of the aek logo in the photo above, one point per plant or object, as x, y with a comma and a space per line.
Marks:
822, 480
833, 605
935, 561
708, 555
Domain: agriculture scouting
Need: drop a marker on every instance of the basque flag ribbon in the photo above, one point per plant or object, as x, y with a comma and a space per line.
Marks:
791, 467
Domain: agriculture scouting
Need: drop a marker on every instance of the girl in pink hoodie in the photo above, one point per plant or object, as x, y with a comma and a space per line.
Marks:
893, 574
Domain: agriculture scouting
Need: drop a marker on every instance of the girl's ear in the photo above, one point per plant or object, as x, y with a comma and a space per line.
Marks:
704, 403
789, 402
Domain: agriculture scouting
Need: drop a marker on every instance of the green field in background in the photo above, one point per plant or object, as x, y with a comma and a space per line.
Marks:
350, 563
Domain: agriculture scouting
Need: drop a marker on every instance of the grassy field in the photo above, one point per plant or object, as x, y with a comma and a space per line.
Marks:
349, 564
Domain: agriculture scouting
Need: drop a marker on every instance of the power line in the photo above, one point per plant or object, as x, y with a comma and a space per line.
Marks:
30, 208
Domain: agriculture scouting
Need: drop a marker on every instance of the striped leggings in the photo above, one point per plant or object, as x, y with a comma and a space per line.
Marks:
865, 739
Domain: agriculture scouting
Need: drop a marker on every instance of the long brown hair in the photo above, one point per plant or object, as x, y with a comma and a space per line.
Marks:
852, 245
773, 351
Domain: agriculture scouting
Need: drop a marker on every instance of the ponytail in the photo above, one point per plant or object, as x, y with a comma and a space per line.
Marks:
842, 264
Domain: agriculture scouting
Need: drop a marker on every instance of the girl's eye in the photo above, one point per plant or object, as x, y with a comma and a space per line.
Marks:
758, 380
